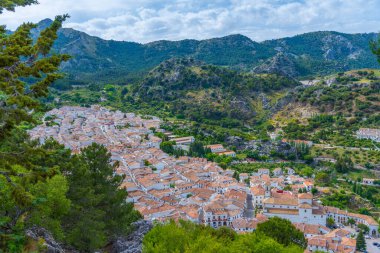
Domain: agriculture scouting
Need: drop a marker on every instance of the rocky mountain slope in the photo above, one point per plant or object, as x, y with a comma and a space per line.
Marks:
98, 60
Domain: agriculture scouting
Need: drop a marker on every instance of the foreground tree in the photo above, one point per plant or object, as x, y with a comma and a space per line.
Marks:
45, 185
27, 176
99, 211
283, 231
32, 188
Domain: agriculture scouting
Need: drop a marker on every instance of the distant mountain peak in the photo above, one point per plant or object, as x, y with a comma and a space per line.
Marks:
234, 39
238, 36
44, 23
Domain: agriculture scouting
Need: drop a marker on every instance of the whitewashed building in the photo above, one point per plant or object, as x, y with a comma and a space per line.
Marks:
368, 133
302, 209
341, 217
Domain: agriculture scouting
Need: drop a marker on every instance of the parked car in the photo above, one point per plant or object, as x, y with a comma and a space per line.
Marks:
375, 244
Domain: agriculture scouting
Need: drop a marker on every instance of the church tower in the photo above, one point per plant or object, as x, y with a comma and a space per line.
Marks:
267, 190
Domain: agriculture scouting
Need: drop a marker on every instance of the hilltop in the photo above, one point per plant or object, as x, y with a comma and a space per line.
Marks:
192, 89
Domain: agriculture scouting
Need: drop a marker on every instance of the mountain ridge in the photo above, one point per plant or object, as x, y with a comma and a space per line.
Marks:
96, 60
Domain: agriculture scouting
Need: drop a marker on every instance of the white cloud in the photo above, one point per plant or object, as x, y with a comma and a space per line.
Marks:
148, 20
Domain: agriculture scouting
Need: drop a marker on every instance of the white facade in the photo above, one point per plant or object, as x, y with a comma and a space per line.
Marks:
257, 200
216, 218
369, 181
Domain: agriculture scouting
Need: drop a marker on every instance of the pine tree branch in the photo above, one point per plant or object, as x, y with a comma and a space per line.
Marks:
8, 178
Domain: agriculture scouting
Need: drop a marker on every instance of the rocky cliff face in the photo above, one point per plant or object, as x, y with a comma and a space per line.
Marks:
130, 244
334, 46
133, 242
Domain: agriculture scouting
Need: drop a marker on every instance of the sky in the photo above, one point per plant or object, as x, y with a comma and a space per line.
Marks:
150, 20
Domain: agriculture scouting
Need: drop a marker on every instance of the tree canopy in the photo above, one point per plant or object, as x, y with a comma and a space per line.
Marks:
283, 231
99, 211
78, 198
30, 180
189, 237
10, 5
26, 71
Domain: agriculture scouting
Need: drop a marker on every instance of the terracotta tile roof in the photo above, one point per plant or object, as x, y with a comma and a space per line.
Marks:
305, 196
338, 233
214, 146
242, 223
282, 201
312, 229
318, 241
258, 191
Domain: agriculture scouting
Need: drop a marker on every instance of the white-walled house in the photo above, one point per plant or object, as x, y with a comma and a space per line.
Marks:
216, 148
368, 181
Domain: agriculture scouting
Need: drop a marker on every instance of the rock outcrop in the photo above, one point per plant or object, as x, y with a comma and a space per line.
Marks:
133, 242
49, 243
281, 64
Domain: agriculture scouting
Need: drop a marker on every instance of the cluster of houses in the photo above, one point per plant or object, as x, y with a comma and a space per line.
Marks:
163, 187
321, 239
